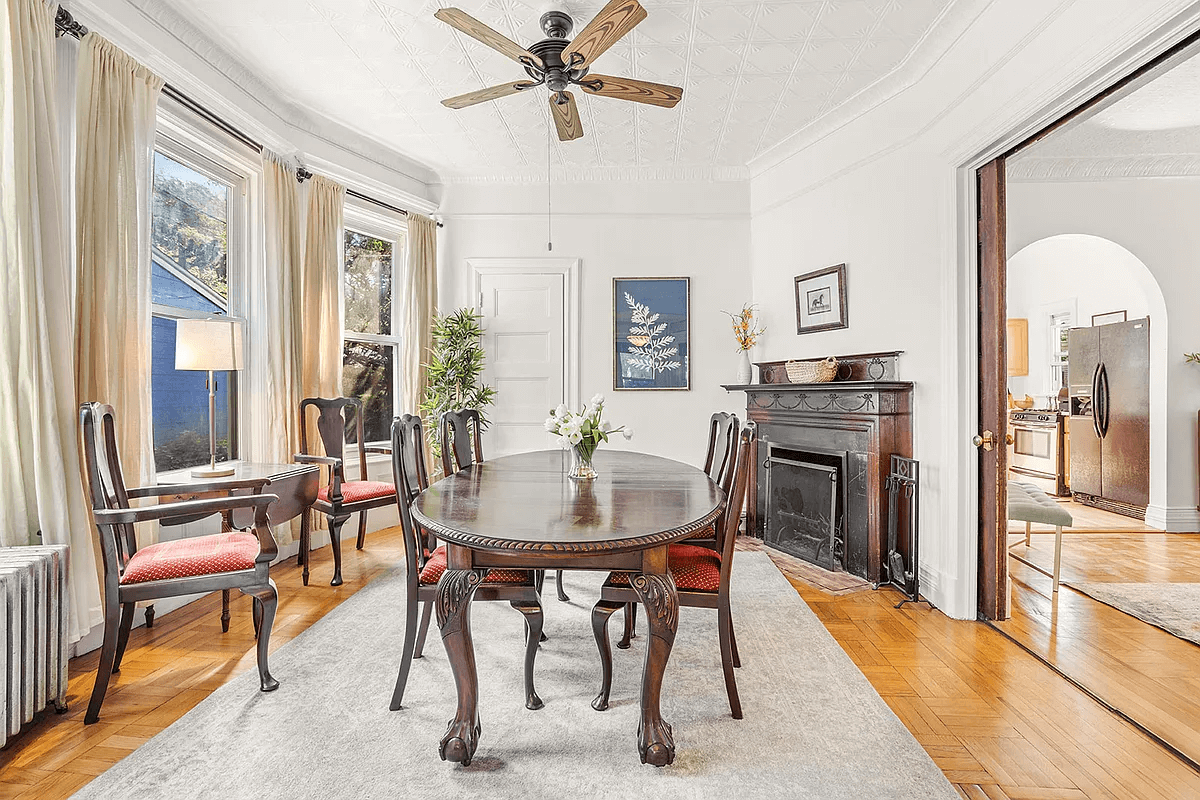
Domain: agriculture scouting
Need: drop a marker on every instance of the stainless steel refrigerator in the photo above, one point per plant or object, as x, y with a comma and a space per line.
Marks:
1109, 378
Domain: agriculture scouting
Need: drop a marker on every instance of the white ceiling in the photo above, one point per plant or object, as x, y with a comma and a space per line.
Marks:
754, 72
1154, 131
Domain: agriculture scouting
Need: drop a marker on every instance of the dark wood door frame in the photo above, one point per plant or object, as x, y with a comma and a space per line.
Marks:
992, 596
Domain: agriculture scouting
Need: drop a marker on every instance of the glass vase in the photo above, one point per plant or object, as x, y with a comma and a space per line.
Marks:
581, 463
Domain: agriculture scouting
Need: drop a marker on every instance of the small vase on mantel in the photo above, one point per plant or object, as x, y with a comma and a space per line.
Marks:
745, 371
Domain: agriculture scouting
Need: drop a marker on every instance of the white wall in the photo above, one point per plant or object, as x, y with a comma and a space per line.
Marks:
623, 230
1153, 219
1085, 275
890, 192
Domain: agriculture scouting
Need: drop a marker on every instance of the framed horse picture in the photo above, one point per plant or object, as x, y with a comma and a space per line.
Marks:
821, 300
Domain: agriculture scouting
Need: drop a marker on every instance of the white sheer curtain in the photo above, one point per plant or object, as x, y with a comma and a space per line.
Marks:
115, 126
420, 308
321, 323
40, 479
275, 356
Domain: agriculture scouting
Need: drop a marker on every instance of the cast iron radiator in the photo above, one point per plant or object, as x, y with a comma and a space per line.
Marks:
33, 633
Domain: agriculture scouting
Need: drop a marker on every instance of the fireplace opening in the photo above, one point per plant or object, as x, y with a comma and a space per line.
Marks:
806, 504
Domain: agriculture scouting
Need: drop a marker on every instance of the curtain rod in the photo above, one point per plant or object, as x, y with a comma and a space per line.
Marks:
66, 24
302, 175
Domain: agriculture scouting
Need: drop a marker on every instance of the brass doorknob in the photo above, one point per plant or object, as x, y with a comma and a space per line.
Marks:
987, 441
1008, 438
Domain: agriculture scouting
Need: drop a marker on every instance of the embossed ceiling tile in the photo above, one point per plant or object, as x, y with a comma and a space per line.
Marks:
726, 22
883, 54
618, 60
829, 55
788, 21
715, 59
659, 62
666, 26
772, 58
849, 19
910, 19
757, 90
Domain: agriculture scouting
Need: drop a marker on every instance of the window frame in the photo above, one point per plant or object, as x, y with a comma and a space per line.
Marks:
367, 219
167, 141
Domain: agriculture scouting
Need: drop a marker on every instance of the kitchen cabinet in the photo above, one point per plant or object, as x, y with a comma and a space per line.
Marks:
1018, 347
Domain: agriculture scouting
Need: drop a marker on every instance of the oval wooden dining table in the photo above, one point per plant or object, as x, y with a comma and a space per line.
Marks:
523, 512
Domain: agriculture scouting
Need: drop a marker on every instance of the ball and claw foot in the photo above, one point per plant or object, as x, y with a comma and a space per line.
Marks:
656, 745
459, 742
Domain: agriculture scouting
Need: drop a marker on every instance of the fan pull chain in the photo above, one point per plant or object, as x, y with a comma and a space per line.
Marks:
549, 149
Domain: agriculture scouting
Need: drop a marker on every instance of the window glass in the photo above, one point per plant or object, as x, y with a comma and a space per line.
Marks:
368, 278
189, 222
189, 216
368, 373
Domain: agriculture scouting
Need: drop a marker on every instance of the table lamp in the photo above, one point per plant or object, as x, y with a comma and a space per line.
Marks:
212, 345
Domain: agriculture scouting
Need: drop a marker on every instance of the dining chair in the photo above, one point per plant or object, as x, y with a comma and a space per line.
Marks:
196, 565
718, 463
339, 498
701, 578
459, 434
425, 562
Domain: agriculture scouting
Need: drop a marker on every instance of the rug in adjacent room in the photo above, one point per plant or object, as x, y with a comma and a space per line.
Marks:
1174, 607
813, 728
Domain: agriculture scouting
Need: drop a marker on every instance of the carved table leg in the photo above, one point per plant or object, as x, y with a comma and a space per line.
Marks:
453, 611
657, 593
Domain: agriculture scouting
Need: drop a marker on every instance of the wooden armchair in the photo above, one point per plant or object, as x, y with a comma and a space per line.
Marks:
425, 564
718, 464
459, 433
701, 577
233, 560
339, 498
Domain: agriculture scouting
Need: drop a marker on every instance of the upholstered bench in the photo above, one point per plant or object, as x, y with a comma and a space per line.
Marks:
1029, 504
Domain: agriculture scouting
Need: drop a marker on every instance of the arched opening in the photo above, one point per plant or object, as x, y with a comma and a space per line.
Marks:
1085, 276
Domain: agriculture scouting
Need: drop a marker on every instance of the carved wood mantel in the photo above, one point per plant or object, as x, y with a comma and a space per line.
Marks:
868, 419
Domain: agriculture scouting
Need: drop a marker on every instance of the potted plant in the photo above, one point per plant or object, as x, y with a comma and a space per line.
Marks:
746, 331
453, 373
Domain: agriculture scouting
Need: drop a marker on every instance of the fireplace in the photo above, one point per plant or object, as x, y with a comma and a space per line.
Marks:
828, 507
806, 504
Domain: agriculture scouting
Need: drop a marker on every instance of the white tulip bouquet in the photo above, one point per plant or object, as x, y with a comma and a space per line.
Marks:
582, 432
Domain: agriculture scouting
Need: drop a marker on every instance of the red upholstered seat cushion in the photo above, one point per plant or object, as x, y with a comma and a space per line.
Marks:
355, 491
695, 569
705, 533
184, 558
436, 565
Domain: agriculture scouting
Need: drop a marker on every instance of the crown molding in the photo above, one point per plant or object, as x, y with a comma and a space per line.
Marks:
945, 31
105, 18
1032, 169
609, 174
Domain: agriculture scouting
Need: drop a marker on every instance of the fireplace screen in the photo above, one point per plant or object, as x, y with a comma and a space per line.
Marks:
804, 506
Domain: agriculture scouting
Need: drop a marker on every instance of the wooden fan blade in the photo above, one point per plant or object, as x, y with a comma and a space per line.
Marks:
614, 21
483, 95
656, 94
566, 117
464, 22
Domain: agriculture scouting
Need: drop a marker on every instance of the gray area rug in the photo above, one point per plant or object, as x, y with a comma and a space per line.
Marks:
813, 728
1174, 607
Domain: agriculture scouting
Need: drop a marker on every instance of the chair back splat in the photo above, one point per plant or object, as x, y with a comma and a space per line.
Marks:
411, 477
722, 446
460, 433
106, 483
735, 492
334, 415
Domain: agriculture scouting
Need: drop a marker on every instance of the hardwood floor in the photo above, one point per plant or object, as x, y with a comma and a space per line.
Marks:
999, 723
1146, 673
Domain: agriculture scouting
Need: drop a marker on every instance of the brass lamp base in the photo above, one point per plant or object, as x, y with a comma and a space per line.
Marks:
212, 472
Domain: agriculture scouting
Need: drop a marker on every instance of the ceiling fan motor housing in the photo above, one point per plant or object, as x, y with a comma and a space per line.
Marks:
557, 26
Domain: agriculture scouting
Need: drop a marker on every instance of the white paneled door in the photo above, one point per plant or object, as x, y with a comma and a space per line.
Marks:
524, 316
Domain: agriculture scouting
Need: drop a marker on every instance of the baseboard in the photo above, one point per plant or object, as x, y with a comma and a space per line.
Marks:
1173, 519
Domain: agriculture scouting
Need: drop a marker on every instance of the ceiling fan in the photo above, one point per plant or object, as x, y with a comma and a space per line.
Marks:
557, 62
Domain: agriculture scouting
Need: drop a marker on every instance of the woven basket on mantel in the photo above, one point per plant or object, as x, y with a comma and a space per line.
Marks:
812, 371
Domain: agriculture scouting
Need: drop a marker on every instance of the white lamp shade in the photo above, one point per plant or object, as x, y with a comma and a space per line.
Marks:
206, 344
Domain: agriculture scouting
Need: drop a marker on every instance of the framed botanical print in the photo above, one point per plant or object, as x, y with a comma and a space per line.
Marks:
651, 333
821, 300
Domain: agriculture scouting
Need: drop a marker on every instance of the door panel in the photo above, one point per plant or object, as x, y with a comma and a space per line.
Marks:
993, 381
524, 320
1085, 456
1125, 459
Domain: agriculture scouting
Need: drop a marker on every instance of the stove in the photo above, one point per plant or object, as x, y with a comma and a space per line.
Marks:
1037, 453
